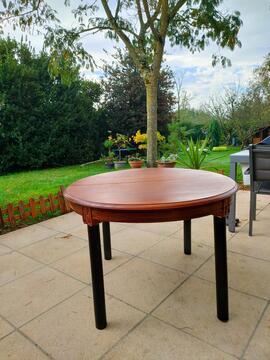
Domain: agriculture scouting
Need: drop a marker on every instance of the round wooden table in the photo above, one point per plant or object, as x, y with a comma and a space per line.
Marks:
152, 195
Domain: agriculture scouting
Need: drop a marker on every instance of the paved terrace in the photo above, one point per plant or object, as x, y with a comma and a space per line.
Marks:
160, 302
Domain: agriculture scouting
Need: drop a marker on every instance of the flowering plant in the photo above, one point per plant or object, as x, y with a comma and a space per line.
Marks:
141, 139
170, 158
120, 141
135, 157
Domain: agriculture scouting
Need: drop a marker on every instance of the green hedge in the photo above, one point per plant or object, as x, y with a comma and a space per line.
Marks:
44, 123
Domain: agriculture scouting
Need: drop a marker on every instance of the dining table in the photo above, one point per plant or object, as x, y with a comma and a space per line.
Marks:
152, 195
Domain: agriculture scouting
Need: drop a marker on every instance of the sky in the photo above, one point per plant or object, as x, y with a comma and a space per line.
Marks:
200, 80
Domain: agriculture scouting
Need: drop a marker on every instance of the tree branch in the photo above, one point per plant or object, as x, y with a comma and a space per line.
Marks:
117, 9
159, 46
139, 9
150, 20
99, 27
155, 15
176, 8
36, 8
119, 31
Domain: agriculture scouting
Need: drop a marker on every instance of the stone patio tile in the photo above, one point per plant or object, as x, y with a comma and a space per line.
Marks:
134, 241
192, 307
170, 252
63, 222
81, 231
78, 264
5, 328
154, 340
201, 231
257, 245
17, 347
261, 224
4, 250
14, 265
259, 347
142, 284
246, 274
25, 298
67, 332
242, 205
26, 236
54, 248
163, 229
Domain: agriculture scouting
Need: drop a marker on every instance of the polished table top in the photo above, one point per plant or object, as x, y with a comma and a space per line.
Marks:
150, 189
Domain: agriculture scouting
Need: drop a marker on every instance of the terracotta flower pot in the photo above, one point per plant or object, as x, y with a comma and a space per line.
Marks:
168, 164
136, 164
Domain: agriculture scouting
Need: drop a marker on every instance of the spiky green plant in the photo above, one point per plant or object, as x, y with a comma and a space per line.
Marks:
193, 153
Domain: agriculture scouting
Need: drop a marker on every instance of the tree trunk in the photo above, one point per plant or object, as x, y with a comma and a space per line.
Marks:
151, 107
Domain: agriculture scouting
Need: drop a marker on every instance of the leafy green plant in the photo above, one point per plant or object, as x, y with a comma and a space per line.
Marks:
169, 158
108, 143
135, 157
194, 153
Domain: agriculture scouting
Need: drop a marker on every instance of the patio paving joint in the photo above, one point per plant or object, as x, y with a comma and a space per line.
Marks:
50, 308
178, 286
248, 256
194, 336
231, 288
26, 274
254, 330
35, 344
124, 336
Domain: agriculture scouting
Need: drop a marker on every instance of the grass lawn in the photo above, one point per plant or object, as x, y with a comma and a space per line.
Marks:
221, 160
23, 185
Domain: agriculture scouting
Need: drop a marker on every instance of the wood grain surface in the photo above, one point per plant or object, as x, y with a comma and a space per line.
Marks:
150, 189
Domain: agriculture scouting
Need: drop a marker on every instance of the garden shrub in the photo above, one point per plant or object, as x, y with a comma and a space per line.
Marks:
44, 123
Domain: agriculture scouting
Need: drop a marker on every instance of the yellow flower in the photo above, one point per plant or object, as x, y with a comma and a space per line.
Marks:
160, 137
142, 146
140, 138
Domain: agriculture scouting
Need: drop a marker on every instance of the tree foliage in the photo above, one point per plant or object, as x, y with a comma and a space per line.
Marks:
44, 123
214, 133
242, 112
124, 96
143, 26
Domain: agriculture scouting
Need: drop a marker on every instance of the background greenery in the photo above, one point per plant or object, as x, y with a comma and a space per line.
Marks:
47, 124
44, 123
23, 185
124, 96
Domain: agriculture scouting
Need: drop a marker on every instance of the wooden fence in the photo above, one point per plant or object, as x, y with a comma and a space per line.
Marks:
23, 212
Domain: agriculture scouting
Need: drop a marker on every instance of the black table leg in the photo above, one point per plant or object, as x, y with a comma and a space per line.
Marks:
187, 237
107, 240
221, 268
97, 276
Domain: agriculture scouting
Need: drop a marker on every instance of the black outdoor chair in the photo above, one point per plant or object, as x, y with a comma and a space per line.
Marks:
259, 158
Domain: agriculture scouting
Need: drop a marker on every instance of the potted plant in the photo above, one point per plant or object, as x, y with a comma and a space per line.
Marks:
109, 160
121, 142
135, 162
167, 162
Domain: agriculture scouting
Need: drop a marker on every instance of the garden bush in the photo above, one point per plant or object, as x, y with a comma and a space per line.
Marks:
44, 123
